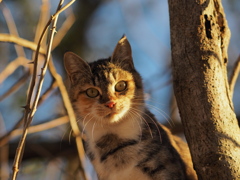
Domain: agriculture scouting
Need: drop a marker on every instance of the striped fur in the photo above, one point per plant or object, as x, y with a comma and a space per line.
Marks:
123, 139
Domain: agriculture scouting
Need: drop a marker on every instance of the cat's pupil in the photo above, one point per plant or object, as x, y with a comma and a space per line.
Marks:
92, 92
121, 86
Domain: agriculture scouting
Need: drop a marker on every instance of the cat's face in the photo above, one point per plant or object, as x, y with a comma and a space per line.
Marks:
108, 96
107, 90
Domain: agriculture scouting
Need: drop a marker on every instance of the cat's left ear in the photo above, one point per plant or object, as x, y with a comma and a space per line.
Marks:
76, 67
122, 55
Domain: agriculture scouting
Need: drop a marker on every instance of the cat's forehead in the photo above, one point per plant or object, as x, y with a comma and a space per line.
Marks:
104, 70
101, 65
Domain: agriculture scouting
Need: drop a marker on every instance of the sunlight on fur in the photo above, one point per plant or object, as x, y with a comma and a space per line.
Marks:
122, 137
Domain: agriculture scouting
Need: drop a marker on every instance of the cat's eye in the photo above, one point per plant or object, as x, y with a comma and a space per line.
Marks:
92, 92
120, 86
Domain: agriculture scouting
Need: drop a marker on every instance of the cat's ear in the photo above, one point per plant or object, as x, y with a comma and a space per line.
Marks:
122, 55
76, 67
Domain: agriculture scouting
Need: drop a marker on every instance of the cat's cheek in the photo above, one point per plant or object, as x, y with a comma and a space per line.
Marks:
131, 91
100, 112
84, 105
82, 109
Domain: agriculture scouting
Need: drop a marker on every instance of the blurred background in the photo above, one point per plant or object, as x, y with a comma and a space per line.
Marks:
91, 29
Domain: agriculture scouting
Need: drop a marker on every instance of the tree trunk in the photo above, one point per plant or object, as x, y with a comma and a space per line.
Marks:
199, 41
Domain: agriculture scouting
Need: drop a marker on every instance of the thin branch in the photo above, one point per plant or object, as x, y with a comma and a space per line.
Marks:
43, 72
12, 28
29, 113
41, 25
63, 9
20, 41
47, 92
4, 153
42, 127
44, 17
234, 75
72, 118
15, 86
64, 29
11, 67
5, 138
32, 83
4, 162
29, 44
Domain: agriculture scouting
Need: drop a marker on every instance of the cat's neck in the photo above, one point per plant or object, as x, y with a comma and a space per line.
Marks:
128, 128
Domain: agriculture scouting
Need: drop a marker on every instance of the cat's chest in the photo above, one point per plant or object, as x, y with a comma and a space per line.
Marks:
115, 151
116, 158
117, 144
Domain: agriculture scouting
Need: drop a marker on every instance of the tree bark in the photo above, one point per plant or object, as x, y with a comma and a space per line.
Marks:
199, 41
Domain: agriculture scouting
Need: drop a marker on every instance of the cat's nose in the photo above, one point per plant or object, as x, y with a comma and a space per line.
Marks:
110, 104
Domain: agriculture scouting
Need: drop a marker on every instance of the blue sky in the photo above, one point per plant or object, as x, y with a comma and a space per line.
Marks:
146, 24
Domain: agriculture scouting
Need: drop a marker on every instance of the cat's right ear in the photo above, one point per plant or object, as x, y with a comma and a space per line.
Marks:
122, 54
76, 67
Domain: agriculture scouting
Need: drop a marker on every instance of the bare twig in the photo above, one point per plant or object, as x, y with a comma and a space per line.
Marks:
42, 127
11, 67
30, 111
15, 86
64, 29
5, 138
29, 44
72, 118
234, 75
20, 41
76, 132
12, 28
4, 170
63, 9
4, 151
44, 16
32, 84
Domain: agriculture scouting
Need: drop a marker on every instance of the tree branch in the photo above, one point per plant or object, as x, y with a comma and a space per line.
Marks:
20, 41
12, 28
64, 29
5, 138
199, 42
72, 118
234, 75
11, 67
15, 86
30, 110
42, 127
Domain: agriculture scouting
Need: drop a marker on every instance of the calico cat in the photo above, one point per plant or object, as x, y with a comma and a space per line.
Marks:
122, 138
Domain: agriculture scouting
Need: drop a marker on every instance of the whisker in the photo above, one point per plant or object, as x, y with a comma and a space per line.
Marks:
143, 119
132, 115
69, 136
84, 119
150, 100
101, 122
154, 122
160, 111
68, 128
85, 125
93, 130
164, 114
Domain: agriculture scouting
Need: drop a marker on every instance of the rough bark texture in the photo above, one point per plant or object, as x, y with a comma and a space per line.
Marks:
199, 40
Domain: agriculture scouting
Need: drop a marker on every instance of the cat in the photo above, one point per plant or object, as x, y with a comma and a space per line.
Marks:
123, 139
